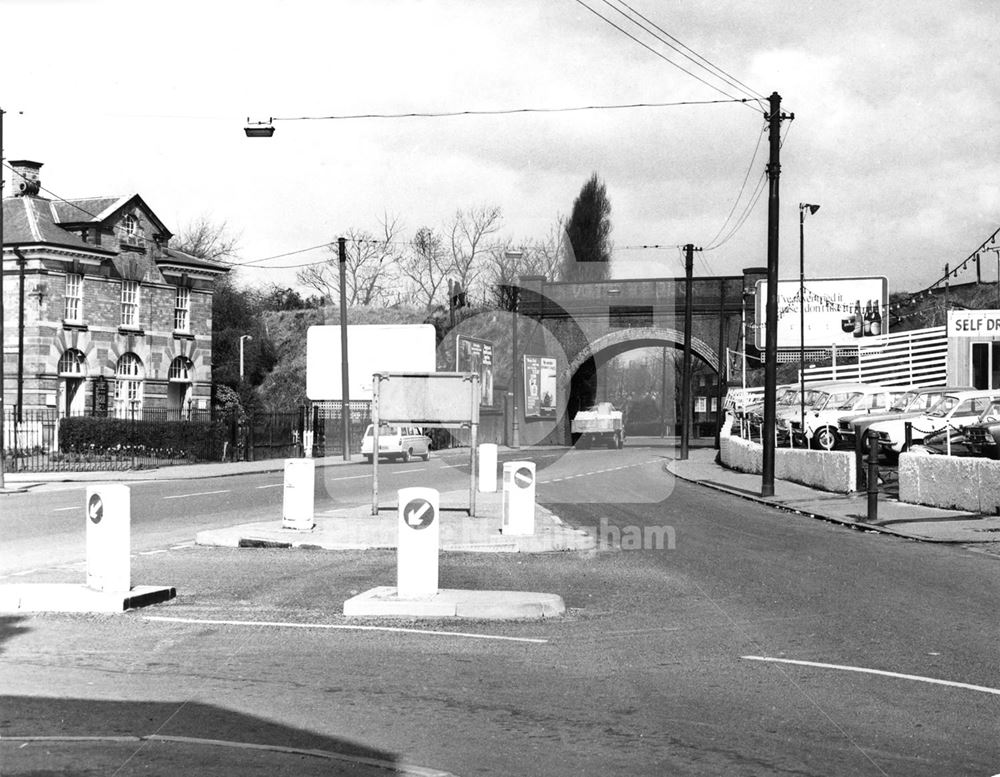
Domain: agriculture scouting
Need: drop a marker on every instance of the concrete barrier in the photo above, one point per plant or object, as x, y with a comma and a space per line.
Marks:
950, 482
827, 470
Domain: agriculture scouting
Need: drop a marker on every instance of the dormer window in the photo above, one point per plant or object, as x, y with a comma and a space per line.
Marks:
130, 226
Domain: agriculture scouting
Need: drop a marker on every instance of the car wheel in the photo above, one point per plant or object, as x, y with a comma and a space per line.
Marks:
825, 439
405, 456
368, 458
426, 457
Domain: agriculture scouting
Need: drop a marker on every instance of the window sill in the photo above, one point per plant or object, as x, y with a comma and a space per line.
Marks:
76, 326
133, 247
131, 330
183, 335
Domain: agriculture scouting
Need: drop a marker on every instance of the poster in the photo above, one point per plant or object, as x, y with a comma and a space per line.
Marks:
476, 356
539, 387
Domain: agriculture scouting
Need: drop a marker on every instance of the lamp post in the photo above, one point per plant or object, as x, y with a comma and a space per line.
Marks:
515, 424
3, 438
803, 207
243, 338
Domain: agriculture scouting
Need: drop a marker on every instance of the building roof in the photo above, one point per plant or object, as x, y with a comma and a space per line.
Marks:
173, 256
32, 220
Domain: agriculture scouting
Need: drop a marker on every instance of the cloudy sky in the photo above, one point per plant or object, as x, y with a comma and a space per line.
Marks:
894, 132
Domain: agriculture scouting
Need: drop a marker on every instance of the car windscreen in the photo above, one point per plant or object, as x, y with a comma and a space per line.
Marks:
844, 402
906, 402
944, 406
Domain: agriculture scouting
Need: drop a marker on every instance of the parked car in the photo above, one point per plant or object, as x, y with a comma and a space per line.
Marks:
953, 409
821, 421
396, 442
791, 407
983, 437
909, 405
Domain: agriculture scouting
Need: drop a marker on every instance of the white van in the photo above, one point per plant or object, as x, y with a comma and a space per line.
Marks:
396, 442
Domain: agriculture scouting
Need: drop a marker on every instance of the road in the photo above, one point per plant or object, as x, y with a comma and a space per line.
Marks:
653, 671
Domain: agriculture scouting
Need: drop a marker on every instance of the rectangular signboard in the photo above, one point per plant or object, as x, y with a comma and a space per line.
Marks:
428, 398
983, 324
473, 355
539, 386
838, 311
371, 348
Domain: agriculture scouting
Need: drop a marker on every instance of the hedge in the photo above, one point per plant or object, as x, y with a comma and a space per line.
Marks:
167, 439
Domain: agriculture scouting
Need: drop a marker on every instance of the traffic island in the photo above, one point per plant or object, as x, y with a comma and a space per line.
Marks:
385, 602
67, 597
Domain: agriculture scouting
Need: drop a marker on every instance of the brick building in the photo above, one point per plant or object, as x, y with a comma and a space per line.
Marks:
101, 316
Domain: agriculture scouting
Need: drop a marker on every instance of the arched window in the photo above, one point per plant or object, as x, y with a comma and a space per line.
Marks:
129, 375
180, 370
72, 364
130, 226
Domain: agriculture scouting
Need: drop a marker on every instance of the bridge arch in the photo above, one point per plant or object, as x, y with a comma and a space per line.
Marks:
630, 338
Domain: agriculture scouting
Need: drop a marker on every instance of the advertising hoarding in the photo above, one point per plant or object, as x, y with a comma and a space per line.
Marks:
838, 311
371, 348
539, 386
473, 355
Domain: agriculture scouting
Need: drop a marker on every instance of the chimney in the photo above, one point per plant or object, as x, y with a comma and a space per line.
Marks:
26, 182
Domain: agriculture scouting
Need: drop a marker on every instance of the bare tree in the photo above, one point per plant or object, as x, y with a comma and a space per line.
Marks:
506, 261
468, 233
425, 265
207, 239
369, 264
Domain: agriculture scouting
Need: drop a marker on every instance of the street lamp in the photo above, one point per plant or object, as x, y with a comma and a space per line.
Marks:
515, 428
803, 207
265, 129
242, 339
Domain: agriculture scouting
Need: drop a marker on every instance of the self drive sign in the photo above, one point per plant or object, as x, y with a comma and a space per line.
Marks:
419, 531
519, 497
109, 537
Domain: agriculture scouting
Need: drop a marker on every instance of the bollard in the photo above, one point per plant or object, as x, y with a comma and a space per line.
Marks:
908, 439
859, 456
872, 476
298, 504
419, 530
487, 468
109, 538
518, 497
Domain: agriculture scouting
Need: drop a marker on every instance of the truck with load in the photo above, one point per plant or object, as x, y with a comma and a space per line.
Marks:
601, 424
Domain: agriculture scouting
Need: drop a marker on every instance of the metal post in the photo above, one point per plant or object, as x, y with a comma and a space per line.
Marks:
345, 383
774, 118
515, 429
686, 370
20, 338
859, 455
872, 476
802, 320
3, 438
908, 435
723, 365
663, 392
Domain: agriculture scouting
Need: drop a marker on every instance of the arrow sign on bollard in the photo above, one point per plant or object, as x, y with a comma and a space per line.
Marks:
419, 513
523, 478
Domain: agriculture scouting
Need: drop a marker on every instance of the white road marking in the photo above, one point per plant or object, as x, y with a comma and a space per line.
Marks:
351, 477
183, 545
418, 469
882, 672
343, 627
26, 572
272, 485
64, 509
152, 552
197, 493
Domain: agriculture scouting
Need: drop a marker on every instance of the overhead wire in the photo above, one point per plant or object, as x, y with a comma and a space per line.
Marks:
711, 243
705, 65
665, 58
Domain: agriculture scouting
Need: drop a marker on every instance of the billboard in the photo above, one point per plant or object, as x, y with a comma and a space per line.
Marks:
473, 355
539, 387
838, 311
371, 348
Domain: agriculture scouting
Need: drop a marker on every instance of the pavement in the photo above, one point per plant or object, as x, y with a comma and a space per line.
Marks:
902, 519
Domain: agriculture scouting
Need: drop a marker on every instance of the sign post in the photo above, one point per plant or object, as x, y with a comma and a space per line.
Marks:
419, 528
519, 497
109, 538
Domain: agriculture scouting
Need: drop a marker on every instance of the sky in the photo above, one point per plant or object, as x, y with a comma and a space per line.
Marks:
894, 131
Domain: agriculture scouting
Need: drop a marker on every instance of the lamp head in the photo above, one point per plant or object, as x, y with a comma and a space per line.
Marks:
803, 206
259, 129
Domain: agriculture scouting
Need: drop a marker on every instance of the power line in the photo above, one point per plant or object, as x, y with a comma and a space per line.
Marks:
697, 59
505, 111
743, 186
661, 55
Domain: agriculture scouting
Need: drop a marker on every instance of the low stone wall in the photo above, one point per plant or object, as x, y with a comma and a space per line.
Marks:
950, 482
826, 470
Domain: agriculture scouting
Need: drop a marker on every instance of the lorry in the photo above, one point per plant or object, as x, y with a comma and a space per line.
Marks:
600, 423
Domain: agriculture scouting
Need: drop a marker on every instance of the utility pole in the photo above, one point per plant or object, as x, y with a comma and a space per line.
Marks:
774, 118
345, 383
723, 363
3, 439
689, 250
